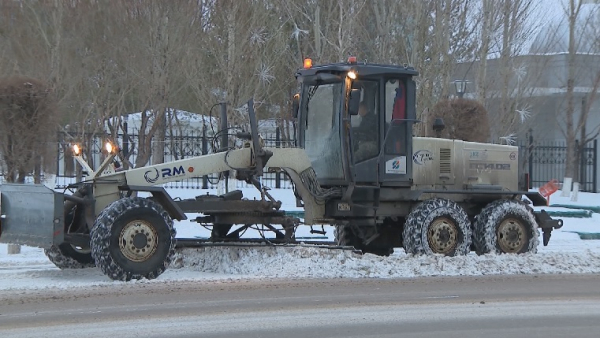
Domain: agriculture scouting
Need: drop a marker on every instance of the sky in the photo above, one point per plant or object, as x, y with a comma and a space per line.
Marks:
566, 253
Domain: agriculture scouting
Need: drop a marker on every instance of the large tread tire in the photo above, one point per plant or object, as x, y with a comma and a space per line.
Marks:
65, 256
501, 217
437, 226
123, 232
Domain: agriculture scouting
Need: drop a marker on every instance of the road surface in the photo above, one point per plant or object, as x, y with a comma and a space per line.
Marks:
493, 306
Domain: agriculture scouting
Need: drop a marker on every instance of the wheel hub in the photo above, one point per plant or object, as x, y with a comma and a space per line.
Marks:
138, 240
512, 235
442, 236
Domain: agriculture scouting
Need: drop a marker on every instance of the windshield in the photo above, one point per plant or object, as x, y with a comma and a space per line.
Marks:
321, 129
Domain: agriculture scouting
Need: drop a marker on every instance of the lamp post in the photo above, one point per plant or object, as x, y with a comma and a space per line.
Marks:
461, 87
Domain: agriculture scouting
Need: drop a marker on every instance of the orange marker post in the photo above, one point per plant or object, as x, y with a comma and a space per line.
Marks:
548, 189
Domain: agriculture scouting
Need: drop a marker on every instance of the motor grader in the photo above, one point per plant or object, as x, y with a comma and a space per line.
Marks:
380, 187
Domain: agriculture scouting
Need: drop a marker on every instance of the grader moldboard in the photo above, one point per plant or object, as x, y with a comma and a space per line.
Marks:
380, 187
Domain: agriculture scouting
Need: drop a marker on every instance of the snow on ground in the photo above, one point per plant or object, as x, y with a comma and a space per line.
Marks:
566, 253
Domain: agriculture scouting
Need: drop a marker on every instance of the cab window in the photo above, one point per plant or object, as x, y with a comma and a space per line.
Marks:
395, 116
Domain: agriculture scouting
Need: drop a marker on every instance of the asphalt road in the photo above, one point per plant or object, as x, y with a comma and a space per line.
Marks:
495, 306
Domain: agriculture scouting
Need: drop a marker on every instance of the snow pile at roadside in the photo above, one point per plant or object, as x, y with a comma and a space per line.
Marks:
31, 270
312, 262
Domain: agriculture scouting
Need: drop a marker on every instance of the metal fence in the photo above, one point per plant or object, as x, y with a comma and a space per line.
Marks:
176, 147
546, 160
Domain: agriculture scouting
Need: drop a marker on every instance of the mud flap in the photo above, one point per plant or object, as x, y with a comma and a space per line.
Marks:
31, 215
547, 224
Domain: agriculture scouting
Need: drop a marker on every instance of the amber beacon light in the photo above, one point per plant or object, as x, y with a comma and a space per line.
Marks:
307, 63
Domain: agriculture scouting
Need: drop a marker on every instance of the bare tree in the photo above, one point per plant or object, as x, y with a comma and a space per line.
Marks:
108, 59
582, 39
27, 107
465, 119
504, 81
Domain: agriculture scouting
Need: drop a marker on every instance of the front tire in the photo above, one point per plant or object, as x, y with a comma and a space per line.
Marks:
437, 226
506, 226
133, 238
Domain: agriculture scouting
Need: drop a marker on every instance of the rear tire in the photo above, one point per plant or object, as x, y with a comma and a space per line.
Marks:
506, 226
437, 226
133, 238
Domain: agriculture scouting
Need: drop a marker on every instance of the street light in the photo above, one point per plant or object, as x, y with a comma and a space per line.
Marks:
461, 87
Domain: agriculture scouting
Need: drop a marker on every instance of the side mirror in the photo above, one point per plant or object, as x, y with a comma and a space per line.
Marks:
438, 127
295, 105
354, 102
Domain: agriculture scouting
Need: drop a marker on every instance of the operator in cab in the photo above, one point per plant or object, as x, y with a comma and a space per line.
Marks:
365, 133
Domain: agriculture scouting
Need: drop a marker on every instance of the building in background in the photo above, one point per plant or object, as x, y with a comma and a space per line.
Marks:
526, 96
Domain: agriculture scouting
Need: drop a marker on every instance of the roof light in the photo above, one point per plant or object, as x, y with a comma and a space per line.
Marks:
352, 59
352, 75
307, 63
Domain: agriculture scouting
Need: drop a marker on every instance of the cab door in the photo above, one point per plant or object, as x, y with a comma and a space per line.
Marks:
365, 133
399, 102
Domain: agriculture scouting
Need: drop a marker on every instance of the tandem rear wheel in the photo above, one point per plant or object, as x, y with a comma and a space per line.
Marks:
437, 226
506, 226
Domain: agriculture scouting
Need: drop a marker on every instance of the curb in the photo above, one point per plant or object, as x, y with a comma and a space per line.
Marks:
574, 213
591, 208
586, 235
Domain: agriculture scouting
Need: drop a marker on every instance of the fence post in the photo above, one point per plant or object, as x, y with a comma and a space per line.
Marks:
277, 145
60, 141
294, 132
579, 149
204, 152
595, 169
530, 158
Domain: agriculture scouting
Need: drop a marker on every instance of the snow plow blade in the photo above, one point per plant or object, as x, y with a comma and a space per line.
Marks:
31, 215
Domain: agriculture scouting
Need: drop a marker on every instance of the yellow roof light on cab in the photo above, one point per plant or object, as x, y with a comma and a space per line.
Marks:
307, 63
352, 59
352, 75
76, 149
